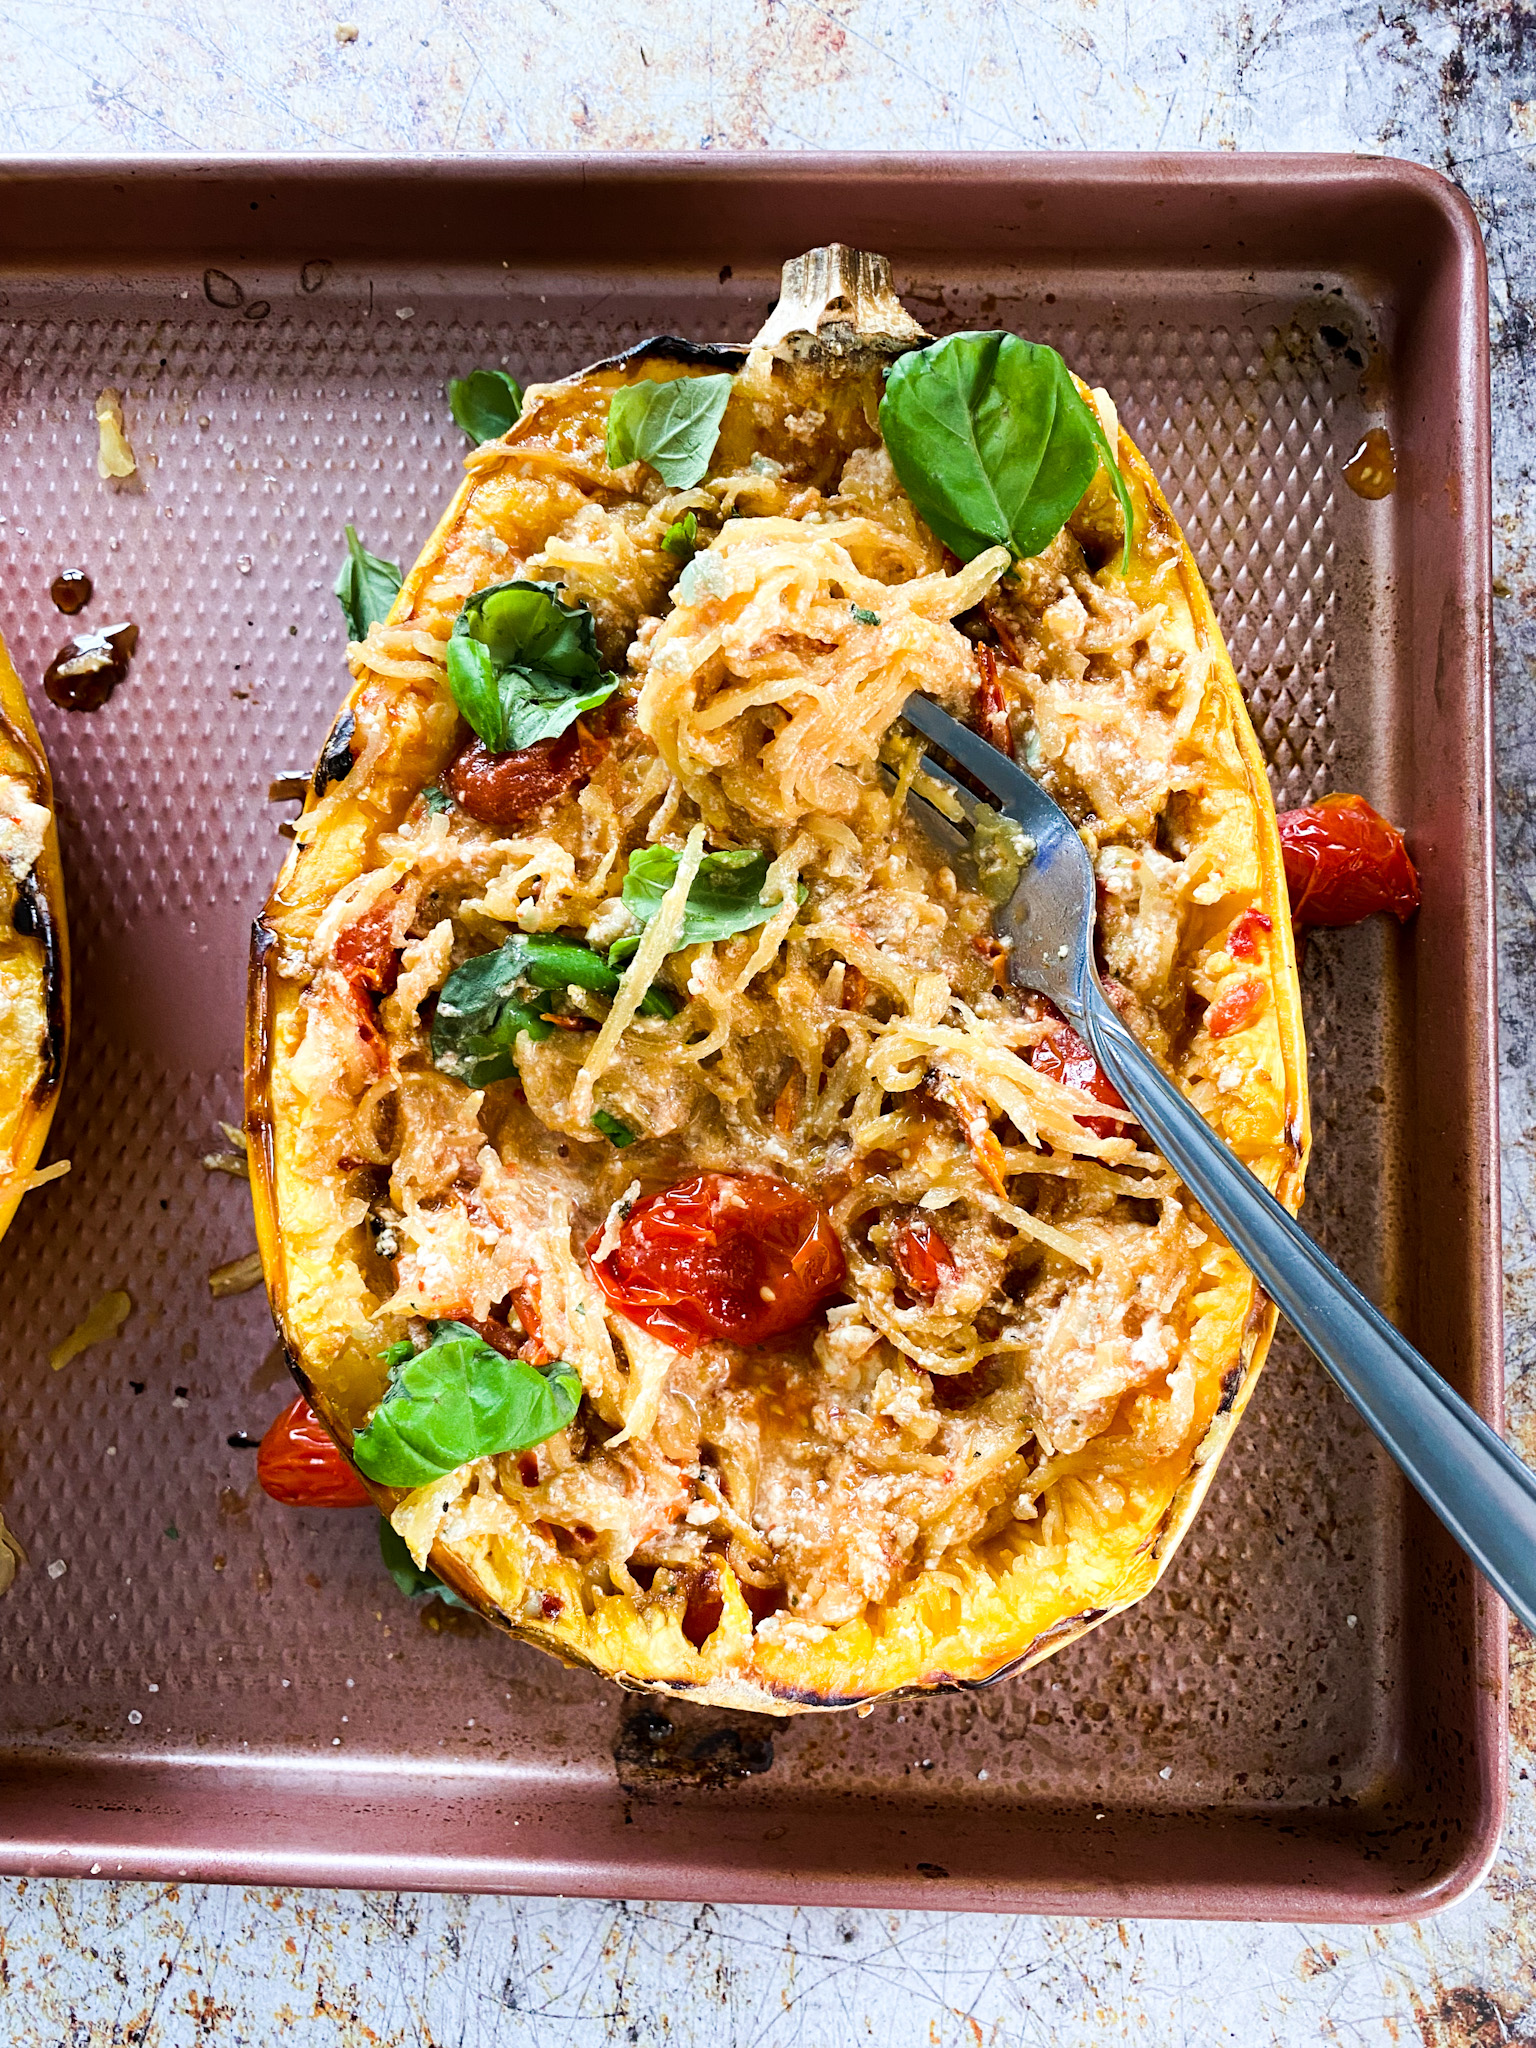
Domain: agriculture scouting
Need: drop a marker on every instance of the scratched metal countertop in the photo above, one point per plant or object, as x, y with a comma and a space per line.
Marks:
1449, 82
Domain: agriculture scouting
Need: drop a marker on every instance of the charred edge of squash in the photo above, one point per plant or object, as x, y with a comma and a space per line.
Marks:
671, 348
40, 898
260, 1131
33, 918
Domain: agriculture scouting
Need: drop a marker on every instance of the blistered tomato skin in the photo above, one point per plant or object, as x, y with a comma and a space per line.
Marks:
738, 1257
299, 1465
365, 951
922, 1258
1344, 862
506, 790
1063, 1056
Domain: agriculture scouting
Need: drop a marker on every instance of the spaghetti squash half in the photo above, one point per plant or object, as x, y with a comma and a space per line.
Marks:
720, 1273
34, 948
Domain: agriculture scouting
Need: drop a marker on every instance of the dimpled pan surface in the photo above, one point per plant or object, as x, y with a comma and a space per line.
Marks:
1305, 1719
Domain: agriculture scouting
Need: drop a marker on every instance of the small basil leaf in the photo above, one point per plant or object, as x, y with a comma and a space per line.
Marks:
482, 1008
458, 1400
408, 1575
613, 1128
725, 896
673, 425
681, 538
522, 665
487, 1003
366, 587
993, 442
864, 616
436, 798
485, 403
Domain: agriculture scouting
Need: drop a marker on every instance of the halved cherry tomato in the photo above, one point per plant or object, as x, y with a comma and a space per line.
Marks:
365, 951
922, 1257
1063, 1056
506, 790
738, 1256
1343, 862
299, 1464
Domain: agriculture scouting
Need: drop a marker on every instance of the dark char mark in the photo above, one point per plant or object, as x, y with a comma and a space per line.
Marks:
671, 348
32, 919
653, 1754
335, 763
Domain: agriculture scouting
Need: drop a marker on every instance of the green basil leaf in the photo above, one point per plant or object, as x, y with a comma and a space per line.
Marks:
366, 587
408, 1575
613, 1128
864, 616
457, 1400
725, 896
485, 403
681, 538
522, 665
994, 443
672, 425
487, 1003
436, 798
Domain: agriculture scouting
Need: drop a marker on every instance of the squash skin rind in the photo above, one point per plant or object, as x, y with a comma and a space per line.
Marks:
1130, 1567
25, 1125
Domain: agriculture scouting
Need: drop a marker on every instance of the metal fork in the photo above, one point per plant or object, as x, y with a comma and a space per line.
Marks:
1477, 1486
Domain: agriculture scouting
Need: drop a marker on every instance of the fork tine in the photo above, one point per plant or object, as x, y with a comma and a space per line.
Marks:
944, 831
1014, 791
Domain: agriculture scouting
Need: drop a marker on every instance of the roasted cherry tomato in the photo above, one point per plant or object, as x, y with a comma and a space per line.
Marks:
922, 1257
505, 790
738, 1256
1344, 861
366, 952
299, 1464
1062, 1056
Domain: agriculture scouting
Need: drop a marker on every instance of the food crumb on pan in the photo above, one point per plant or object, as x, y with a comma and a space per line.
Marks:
57, 1568
235, 1160
238, 1277
114, 453
346, 31
102, 1321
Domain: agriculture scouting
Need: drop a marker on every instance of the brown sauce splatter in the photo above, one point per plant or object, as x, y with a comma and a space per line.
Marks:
70, 590
1371, 472
86, 670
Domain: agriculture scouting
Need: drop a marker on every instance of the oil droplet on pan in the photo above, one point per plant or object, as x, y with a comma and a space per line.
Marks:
1371, 472
70, 590
86, 670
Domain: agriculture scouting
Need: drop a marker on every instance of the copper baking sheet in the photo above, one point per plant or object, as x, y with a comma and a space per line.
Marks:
1306, 1719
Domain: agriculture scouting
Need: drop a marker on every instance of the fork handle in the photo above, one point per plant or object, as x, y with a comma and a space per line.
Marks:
1471, 1478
